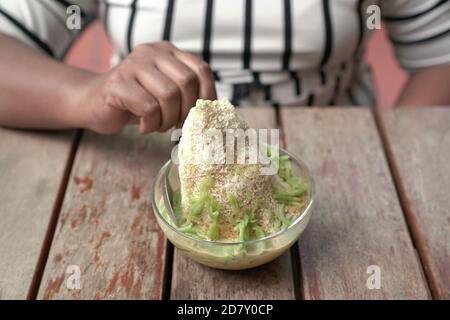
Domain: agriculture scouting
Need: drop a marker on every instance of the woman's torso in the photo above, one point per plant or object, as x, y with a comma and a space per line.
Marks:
290, 52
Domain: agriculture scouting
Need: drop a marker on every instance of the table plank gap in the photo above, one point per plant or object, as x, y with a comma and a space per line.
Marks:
293, 251
168, 271
405, 204
274, 280
46, 244
356, 201
417, 145
296, 271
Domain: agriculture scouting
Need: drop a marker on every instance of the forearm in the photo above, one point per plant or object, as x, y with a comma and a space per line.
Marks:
428, 87
36, 91
154, 86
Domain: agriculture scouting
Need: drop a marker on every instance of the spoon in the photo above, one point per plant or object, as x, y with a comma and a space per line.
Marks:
168, 196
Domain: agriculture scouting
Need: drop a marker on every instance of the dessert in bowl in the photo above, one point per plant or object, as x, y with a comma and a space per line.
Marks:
231, 214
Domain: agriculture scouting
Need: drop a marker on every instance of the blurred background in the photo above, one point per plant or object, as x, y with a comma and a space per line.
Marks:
92, 51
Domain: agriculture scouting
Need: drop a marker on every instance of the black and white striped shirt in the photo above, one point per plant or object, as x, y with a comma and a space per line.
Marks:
288, 52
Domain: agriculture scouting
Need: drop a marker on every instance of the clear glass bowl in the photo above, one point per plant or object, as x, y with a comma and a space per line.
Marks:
236, 255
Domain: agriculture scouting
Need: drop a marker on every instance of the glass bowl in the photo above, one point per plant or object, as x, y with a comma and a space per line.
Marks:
235, 255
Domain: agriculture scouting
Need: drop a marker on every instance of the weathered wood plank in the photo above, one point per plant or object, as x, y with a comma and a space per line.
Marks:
106, 225
419, 141
358, 221
32, 166
191, 280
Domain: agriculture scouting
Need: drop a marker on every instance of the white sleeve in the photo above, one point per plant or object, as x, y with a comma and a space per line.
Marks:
42, 23
419, 31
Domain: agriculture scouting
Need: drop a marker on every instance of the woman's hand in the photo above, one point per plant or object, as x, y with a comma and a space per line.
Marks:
155, 86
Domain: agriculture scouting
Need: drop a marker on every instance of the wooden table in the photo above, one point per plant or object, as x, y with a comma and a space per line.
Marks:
78, 198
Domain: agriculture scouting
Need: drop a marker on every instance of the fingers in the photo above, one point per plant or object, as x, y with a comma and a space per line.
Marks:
143, 106
146, 107
133, 119
207, 88
146, 124
186, 80
165, 91
158, 84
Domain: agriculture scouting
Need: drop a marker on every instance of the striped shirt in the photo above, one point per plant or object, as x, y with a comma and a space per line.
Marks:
262, 52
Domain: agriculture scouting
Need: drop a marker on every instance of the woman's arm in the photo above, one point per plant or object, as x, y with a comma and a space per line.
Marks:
154, 86
36, 91
427, 87
418, 29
